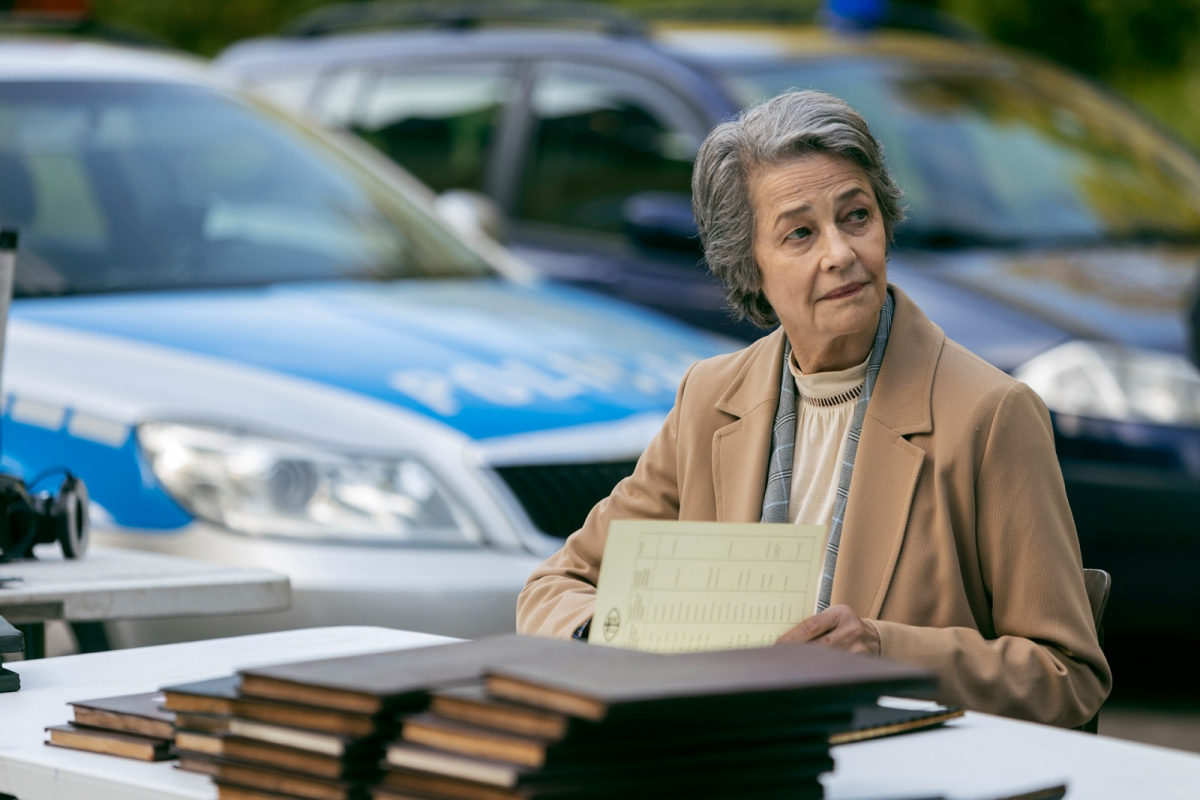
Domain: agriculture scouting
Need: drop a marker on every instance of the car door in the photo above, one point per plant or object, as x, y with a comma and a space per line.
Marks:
604, 145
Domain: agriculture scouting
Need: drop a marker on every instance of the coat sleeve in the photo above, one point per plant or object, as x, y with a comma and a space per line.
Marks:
560, 594
1044, 663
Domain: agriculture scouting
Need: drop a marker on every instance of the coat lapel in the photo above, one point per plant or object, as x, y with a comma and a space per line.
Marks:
740, 450
887, 466
881, 491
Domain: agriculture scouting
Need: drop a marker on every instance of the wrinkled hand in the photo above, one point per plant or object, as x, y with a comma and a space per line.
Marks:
836, 626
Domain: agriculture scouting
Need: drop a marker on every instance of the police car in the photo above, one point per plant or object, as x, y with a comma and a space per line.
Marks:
258, 345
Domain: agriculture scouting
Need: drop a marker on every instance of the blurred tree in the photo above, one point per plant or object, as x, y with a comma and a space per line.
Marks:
202, 26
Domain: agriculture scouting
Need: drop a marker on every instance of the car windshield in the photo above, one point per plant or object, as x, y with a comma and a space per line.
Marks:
137, 186
1011, 154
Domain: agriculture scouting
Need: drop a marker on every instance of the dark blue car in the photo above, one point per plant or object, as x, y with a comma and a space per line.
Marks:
1051, 229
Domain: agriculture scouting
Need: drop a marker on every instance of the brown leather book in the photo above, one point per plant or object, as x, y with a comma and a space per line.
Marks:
227, 790
798, 783
308, 717
329, 744
125, 745
254, 776
276, 756
875, 721
602, 684
472, 705
202, 723
132, 713
375, 682
596, 768
717, 742
214, 696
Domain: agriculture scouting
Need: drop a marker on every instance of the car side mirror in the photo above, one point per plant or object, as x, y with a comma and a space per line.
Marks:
661, 220
470, 212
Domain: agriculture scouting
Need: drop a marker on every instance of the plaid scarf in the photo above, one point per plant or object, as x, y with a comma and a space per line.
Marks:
783, 443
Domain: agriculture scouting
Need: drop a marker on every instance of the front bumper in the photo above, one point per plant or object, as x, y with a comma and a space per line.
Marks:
462, 592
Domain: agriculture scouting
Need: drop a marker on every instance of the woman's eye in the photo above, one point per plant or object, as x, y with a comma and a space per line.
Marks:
799, 233
857, 215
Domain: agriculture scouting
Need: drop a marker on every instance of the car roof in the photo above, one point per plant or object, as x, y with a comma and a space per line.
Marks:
692, 42
721, 41
38, 58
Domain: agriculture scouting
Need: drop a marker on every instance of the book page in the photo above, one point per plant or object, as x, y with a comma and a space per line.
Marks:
680, 587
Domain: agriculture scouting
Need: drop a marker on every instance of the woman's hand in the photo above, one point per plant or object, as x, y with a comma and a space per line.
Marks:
836, 626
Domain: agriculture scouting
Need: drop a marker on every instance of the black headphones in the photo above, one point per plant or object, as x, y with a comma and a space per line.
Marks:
27, 520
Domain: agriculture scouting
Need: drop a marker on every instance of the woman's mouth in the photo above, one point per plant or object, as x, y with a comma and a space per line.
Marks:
849, 290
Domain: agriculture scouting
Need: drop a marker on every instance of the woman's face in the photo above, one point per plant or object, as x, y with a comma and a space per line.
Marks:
821, 250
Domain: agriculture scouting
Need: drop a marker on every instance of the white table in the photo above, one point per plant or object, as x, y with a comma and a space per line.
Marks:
974, 758
110, 583
32, 771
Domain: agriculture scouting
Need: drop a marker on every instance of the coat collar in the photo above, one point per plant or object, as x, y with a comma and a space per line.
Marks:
903, 392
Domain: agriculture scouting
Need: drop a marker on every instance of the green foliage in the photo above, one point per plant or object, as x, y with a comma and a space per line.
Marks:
202, 26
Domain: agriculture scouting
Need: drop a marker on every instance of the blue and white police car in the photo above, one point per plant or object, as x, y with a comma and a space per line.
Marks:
258, 345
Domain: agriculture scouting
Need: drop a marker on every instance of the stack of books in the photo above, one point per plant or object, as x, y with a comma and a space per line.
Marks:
601, 723
317, 730
256, 747
131, 726
513, 717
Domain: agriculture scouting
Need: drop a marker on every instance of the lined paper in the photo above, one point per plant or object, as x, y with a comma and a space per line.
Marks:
679, 587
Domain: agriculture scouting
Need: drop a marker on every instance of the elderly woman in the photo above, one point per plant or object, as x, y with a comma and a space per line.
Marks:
951, 545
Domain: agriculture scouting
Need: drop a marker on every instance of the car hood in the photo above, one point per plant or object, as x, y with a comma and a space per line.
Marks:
488, 358
1009, 306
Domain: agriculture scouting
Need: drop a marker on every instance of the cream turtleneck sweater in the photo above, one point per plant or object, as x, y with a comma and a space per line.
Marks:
824, 408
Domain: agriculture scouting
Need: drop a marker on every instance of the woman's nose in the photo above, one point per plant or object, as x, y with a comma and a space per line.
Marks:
838, 253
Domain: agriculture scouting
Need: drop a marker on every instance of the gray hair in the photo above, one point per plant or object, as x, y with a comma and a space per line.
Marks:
793, 124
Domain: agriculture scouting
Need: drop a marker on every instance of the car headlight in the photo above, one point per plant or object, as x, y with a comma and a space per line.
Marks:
265, 486
1095, 379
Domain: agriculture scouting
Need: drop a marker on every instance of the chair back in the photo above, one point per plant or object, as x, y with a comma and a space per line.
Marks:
1098, 584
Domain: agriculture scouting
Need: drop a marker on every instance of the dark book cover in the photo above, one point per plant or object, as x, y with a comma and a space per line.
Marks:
793, 781
386, 681
599, 683
273, 756
214, 696
134, 713
875, 721
125, 745
596, 766
268, 779
619, 753
472, 705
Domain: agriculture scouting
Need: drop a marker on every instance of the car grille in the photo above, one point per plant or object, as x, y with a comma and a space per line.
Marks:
558, 497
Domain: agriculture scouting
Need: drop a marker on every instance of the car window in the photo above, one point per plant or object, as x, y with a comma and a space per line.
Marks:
438, 122
141, 186
601, 136
1005, 155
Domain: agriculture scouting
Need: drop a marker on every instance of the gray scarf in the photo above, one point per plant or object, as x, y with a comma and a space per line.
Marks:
783, 443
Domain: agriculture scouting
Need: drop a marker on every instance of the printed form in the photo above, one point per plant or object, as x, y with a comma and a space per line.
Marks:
680, 587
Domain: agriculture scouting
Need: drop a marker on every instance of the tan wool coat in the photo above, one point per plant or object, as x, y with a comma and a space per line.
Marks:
958, 541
